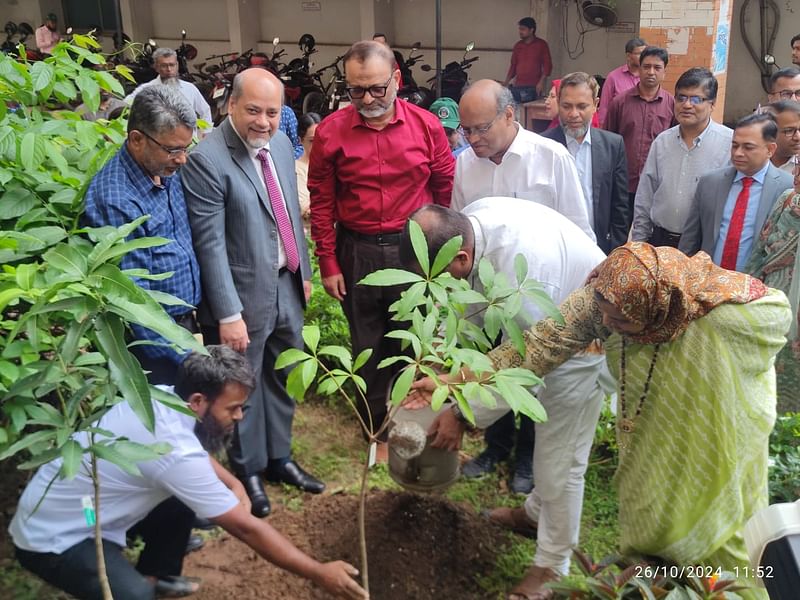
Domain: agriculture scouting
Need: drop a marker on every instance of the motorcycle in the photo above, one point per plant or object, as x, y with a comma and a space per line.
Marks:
421, 96
454, 75
9, 46
185, 52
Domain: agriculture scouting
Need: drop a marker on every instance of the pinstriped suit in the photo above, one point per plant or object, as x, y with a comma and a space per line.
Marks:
236, 242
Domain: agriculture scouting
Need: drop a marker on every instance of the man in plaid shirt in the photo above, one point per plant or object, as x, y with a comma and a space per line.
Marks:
141, 179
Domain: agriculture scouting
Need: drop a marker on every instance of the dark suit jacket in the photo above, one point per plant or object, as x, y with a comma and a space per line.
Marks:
609, 186
234, 231
702, 226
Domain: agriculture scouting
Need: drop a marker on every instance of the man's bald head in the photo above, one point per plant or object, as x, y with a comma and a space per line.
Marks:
487, 118
255, 106
440, 225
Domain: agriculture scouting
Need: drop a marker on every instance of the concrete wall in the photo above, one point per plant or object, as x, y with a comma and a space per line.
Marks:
744, 76
19, 11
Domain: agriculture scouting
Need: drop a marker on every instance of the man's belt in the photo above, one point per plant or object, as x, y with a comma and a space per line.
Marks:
379, 239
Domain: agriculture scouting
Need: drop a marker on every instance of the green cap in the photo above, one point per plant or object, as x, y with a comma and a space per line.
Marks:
447, 111
52, 17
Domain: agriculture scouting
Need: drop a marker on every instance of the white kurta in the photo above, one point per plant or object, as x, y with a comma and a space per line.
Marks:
533, 168
560, 256
189, 91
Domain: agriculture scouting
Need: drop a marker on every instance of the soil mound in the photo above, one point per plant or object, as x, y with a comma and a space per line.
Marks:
420, 548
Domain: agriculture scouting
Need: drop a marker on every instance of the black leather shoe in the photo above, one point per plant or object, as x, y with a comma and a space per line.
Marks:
485, 462
204, 524
293, 474
260, 506
195, 543
522, 482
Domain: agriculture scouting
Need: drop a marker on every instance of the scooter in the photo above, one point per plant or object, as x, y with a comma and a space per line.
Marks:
454, 75
421, 96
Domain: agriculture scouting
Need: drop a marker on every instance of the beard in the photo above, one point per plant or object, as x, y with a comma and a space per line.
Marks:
575, 132
212, 435
378, 108
169, 81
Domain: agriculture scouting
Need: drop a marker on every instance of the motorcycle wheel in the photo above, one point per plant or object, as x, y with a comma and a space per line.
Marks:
315, 102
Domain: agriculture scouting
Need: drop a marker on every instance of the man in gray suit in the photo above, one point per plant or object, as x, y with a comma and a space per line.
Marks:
599, 156
241, 193
732, 203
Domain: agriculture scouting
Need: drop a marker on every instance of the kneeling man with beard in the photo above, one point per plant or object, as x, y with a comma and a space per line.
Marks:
53, 528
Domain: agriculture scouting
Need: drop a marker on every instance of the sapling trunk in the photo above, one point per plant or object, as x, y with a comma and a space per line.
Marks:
362, 521
102, 575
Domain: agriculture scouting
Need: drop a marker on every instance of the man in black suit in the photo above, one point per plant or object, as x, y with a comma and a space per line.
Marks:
599, 156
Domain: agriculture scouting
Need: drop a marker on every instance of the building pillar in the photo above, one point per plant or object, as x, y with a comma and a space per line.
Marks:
244, 24
696, 33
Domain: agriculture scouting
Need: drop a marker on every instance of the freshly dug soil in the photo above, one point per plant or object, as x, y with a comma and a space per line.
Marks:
419, 548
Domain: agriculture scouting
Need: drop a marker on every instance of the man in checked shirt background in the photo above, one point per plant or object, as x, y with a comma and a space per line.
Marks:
142, 179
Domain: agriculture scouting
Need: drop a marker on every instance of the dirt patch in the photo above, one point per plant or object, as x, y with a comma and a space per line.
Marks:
420, 548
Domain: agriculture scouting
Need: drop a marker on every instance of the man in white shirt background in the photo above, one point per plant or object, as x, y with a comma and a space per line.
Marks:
54, 535
787, 116
165, 62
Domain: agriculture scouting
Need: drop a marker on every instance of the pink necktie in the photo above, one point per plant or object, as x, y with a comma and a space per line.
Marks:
730, 251
279, 211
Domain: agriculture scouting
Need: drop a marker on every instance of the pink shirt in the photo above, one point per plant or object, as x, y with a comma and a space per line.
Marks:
46, 39
618, 81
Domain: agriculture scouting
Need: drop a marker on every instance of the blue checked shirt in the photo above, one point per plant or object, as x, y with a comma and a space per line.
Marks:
288, 125
121, 192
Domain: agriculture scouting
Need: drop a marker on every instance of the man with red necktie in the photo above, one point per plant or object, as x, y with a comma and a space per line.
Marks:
731, 204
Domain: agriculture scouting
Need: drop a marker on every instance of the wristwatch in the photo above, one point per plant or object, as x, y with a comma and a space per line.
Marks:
459, 415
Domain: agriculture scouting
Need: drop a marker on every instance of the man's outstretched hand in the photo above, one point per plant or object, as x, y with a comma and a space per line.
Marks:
337, 578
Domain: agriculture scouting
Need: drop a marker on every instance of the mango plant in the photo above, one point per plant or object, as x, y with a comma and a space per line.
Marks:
65, 304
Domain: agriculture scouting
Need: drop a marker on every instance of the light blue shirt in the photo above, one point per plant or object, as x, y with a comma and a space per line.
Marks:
582, 153
749, 228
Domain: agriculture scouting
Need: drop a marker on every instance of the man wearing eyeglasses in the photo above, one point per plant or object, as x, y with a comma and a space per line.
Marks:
373, 163
787, 116
677, 159
784, 84
731, 204
142, 179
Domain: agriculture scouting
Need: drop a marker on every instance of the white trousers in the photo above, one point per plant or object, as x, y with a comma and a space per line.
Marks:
572, 397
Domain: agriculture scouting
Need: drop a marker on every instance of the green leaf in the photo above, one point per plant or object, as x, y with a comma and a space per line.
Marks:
71, 454
166, 299
25, 274
126, 373
486, 273
31, 439
295, 385
31, 151
439, 396
135, 452
311, 337
468, 297
362, 359
9, 295
390, 277
446, 254
420, 245
169, 399
391, 360
341, 353
402, 334
125, 247
402, 384
291, 356
90, 90
16, 202
67, 259
42, 74
520, 268
515, 333
107, 452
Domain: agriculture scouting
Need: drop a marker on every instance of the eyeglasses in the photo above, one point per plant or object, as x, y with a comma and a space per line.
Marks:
172, 152
693, 100
790, 132
479, 131
376, 91
789, 94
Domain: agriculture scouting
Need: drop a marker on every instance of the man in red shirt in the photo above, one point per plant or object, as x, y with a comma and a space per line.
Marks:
372, 165
530, 63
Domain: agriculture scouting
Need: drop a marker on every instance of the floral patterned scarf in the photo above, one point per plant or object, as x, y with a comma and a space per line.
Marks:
665, 290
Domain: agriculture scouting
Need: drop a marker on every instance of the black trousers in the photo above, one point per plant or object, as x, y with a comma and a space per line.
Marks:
501, 436
367, 312
165, 531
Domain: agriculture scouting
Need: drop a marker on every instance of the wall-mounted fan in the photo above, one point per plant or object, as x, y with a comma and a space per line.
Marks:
598, 13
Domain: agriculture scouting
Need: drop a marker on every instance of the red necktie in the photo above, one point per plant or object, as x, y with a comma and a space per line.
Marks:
730, 251
279, 212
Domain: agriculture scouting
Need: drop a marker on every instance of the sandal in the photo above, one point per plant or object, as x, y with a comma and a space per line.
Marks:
515, 519
176, 586
531, 587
